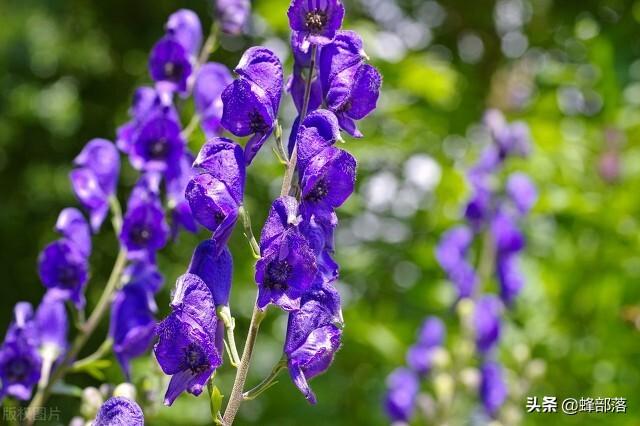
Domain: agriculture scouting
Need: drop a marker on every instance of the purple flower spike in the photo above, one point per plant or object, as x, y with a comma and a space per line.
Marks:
184, 27
420, 355
493, 389
402, 391
212, 206
522, 192
507, 236
132, 323
248, 111
176, 182
73, 226
451, 255
316, 20
20, 366
262, 67
224, 160
169, 62
95, 177
211, 80
311, 342
214, 266
158, 146
318, 131
52, 324
144, 229
285, 271
432, 332
232, 15
119, 411
353, 94
486, 320
344, 52
510, 277
63, 268
329, 178
190, 339
283, 215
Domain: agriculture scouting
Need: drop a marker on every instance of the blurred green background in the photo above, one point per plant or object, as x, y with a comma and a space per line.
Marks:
570, 69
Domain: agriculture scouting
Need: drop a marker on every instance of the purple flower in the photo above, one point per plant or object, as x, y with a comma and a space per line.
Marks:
420, 355
119, 411
345, 51
184, 27
158, 145
316, 20
132, 323
143, 273
451, 255
511, 139
312, 340
72, 225
510, 277
319, 130
505, 232
283, 215
95, 177
263, 68
432, 332
213, 206
52, 325
214, 266
248, 111
144, 229
486, 318
190, 339
63, 268
329, 178
232, 15
493, 390
176, 183
285, 271
20, 366
169, 62
296, 85
353, 94
224, 160
23, 329
521, 191
479, 208
318, 228
402, 391
211, 80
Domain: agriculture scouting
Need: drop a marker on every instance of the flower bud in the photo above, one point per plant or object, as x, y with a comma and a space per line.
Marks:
126, 390
444, 387
91, 401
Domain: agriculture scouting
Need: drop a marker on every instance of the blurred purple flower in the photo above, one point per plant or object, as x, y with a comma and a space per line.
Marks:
158, 145
169, 62
402, 391
119, 411
493, 389
486, 319
521, 191
232, 15
510, 277
176, 183
64, 269
184, 27
210, 82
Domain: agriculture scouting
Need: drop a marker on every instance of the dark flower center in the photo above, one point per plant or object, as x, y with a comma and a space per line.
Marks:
257, 123
319, 191
315, 20
158, 149
278, 273
140, 235
173, 71
17, 370
346, 106
218, 217
195, 359
67, 276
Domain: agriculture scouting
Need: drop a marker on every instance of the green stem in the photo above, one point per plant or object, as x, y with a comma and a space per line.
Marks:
236, 397
103, 350
191, 127
248, 232
209, 45
486, 261
268, 381
224, 313
291, 169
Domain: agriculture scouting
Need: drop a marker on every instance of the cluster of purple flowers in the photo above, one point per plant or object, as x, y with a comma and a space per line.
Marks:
403, 384
492, 214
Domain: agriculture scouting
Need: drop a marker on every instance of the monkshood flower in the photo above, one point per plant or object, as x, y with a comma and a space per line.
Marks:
211, 80
119, 411
252, 101
170, 63
214, 266
402, 391
319, 230
329, 178
287, 267
486, 320
144, 228
510, 277
147, 103
189, 346
451, 255
521, 191
158, 145
311, 341
20, 362
507, 236
215, 195
351, 87
132, 325
431, 336
319, 130
296, 85
184, 27
95, 178
510, 138
63, 265
145, 274
316, 20
232, 15
493, 389
53, 325
177, 179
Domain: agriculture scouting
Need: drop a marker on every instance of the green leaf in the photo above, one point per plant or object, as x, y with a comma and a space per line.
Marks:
215, 401
62, 388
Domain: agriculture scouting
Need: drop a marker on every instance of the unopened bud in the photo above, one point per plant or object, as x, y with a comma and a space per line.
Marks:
91, 401
126, 390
